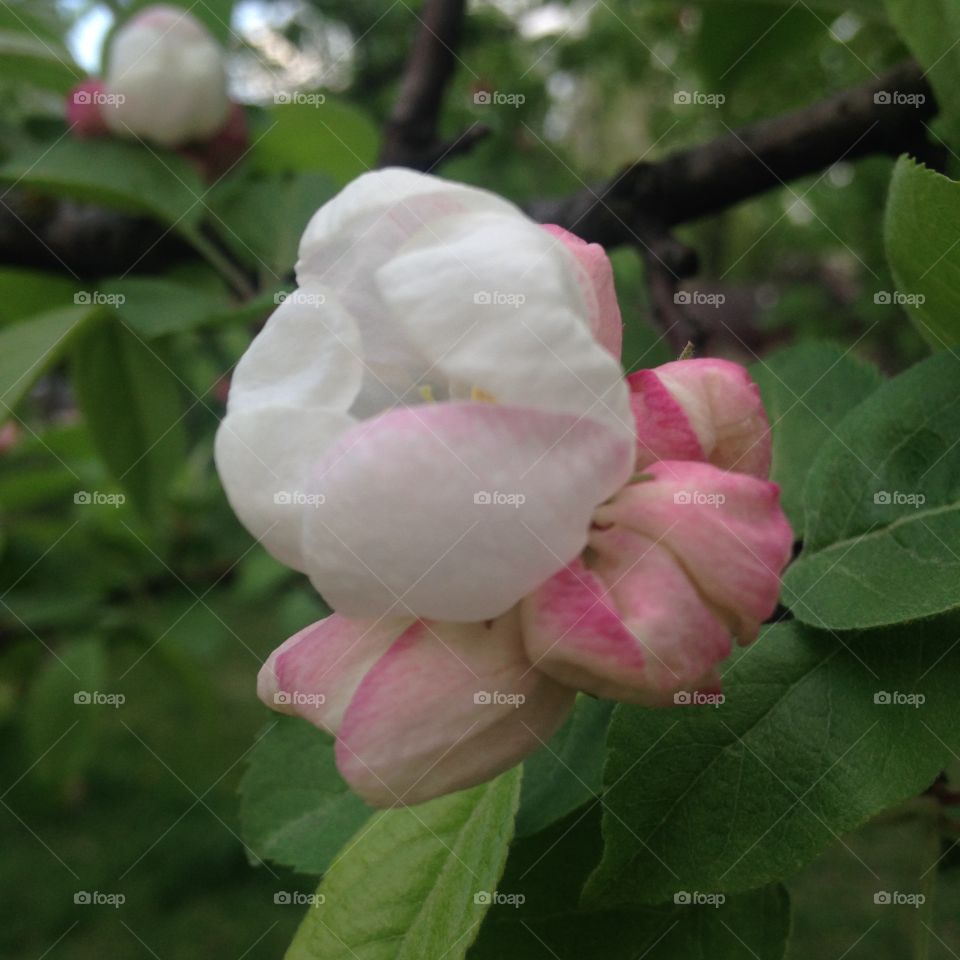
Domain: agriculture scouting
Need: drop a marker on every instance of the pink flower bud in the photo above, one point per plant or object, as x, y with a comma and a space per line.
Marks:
85, 109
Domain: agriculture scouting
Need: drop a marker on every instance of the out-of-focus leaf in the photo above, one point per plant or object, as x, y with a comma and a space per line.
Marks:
131, 399
331, 137
61, 716
155, 307
24, 293
29, 347
296, 808
128, 176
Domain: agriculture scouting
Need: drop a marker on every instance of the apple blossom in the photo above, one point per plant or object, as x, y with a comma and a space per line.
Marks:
169, 79
435, 366
384, 394
167, 85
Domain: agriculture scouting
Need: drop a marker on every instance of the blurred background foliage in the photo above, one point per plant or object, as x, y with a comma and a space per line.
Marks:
165, 599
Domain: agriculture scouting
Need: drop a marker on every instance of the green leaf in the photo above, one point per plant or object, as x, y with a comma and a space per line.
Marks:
807, 390
155, 307
804, 748
28, 348
263, 219
539, 916
296, 809
930, 29
411, 884
61, 717
128, 176
332, 137
923, 208
882, 504
131, 400
27, 58
26, 292
568, 771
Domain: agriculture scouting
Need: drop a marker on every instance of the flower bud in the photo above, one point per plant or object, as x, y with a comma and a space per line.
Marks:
168, 77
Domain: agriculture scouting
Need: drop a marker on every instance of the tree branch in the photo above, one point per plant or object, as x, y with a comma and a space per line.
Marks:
706, 179
411, 138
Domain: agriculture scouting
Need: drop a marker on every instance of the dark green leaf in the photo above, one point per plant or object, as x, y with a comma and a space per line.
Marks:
296, 808
816, 735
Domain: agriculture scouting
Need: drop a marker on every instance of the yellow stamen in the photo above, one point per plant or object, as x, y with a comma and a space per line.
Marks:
481, 396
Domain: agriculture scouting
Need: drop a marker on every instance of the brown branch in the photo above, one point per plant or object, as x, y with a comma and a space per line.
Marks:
412, 138
639, 207
714, 176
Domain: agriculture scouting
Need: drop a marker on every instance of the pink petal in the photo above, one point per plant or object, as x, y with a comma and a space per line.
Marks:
663, 430
724, 410
726, 530
84, 110
632, 628
315, 673
449, 706
454, 511
595, 279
